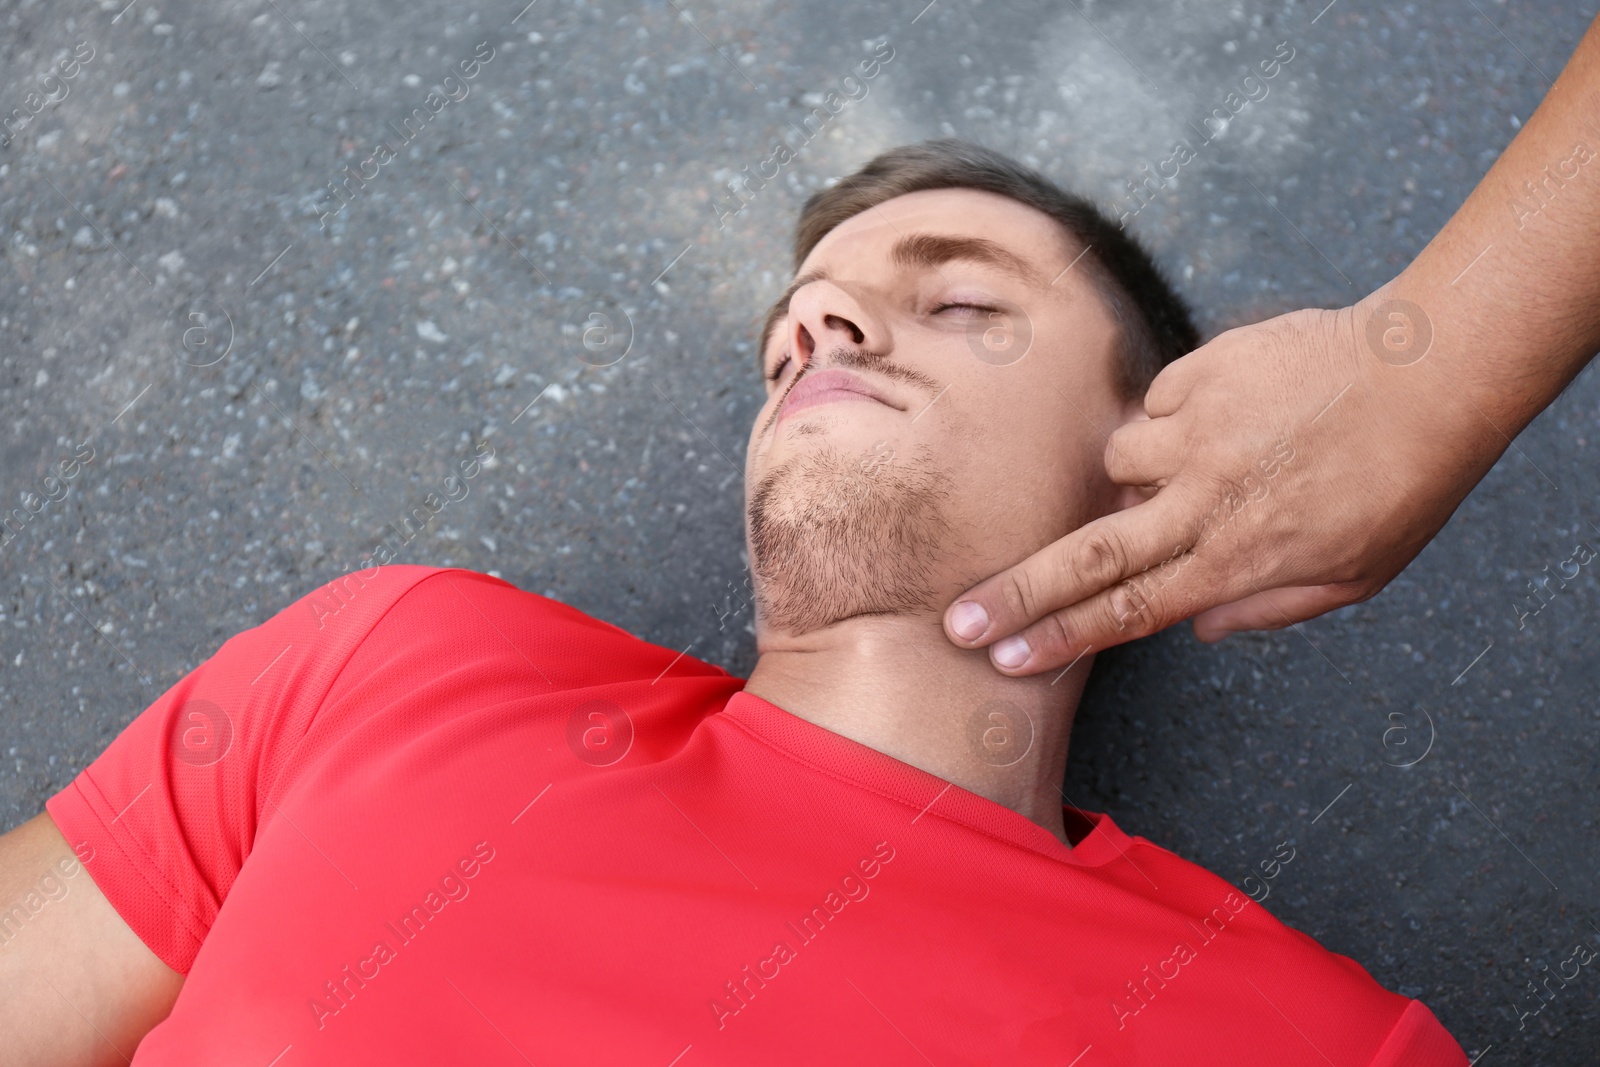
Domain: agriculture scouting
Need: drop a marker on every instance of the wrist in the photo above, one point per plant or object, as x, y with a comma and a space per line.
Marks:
1432, 374
1449, 344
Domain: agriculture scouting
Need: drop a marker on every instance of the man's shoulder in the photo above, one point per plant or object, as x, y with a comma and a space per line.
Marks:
411, 610
370, 595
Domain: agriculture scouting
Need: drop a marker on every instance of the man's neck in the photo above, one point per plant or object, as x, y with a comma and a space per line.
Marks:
897, 684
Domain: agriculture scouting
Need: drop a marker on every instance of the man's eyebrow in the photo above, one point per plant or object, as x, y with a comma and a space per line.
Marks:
918, 251
931, 249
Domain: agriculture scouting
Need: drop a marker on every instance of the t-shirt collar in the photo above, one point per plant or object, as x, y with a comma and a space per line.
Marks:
1097, 840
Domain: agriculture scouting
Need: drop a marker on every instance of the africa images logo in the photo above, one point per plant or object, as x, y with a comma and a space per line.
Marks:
599, 732
1142, 988
201, 735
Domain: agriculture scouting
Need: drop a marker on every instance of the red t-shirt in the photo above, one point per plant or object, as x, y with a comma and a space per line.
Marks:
421, 816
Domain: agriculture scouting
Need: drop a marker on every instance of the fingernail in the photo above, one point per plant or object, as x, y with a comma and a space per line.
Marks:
1011, 652
969, 620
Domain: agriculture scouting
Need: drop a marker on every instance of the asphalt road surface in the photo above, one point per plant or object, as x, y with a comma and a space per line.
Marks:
551, 261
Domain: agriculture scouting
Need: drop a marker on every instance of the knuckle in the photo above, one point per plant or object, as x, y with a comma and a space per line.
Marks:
1019, 593
1129, 610
1103, 556
1050, 638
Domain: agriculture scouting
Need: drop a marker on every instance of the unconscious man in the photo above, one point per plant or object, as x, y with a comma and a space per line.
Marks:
424, 817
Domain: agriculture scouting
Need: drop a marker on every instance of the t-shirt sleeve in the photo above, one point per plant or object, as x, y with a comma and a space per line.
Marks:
1417, 1038
165, 817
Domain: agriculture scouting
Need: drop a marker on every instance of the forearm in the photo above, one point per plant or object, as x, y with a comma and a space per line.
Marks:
1511, 286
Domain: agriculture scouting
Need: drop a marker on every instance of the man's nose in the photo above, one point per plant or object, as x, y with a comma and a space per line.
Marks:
824, 316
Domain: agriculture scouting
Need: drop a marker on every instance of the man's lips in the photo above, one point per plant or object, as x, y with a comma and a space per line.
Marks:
826, 386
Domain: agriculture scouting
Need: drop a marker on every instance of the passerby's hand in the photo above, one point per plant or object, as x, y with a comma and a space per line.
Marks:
1300, 464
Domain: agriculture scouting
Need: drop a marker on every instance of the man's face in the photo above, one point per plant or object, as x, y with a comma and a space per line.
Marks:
994, 383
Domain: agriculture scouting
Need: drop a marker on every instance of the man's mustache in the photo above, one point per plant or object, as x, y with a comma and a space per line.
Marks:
852, 357
847, 357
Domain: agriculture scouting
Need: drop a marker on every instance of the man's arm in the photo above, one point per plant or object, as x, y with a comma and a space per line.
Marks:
77, 986
1391, 410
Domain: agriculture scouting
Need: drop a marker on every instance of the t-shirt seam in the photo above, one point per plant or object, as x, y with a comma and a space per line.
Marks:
146, 865
872, 789
333, 683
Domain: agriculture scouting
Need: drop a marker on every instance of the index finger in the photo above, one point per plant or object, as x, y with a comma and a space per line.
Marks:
1090, 560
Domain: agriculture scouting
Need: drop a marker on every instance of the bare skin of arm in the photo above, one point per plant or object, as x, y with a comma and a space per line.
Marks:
1389, 410
79, 987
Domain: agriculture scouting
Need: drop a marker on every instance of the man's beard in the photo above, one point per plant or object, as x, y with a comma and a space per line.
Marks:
834, 536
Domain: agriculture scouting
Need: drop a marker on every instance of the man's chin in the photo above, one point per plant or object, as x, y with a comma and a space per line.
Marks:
835, 535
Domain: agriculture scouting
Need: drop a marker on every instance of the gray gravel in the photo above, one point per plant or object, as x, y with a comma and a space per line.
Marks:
174, 201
